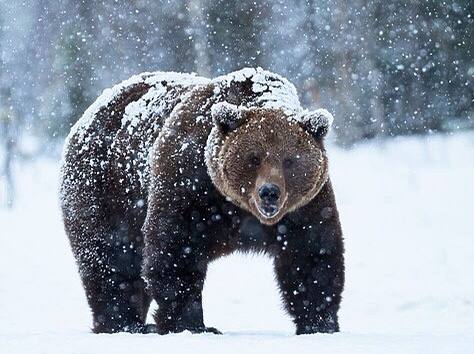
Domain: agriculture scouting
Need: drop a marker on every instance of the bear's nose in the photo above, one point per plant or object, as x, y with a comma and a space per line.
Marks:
269, 193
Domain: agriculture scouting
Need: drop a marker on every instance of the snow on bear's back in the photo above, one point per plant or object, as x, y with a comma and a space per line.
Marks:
156, 80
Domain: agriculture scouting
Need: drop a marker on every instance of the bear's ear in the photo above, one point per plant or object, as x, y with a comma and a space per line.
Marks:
317, 122
226, 116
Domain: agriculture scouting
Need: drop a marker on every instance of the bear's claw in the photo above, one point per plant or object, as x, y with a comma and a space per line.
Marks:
209, 330
194, 330
142, 328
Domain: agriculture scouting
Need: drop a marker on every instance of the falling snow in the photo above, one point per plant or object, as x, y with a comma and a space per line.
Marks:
375, 71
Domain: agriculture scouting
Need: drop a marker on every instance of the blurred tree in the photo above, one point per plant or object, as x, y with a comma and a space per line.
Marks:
8, 135
235, 33
78, 54
70, 81
6, 128
177, 43
199, 37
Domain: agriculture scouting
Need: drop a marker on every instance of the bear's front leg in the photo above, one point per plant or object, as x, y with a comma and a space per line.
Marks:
174, 269
310, 272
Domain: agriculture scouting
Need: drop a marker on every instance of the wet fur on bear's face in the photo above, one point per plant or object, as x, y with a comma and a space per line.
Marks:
267, 149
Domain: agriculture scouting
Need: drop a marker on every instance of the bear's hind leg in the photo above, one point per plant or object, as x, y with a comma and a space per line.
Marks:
118, 304
110, 267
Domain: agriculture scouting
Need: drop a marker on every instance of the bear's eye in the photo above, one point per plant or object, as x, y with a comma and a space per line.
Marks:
288, 163
254, 160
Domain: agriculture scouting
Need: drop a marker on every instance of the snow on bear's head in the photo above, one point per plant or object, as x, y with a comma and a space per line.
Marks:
265, 161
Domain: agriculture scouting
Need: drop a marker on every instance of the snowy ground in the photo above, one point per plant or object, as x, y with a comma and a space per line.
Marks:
406, 208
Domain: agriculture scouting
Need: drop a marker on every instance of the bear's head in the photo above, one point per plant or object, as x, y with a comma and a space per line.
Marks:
265, 161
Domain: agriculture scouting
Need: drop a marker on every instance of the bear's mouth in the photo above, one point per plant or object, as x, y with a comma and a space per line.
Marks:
268, 211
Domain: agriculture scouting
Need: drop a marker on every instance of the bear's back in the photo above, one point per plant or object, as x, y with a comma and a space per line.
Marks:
109, 145
133, 103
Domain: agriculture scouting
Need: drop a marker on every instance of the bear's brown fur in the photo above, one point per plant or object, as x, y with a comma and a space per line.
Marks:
167, 172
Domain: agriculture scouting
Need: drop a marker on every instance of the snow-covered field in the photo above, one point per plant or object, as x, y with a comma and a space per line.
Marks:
407, 213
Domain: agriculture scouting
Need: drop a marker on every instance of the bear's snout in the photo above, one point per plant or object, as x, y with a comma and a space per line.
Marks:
269, 194
269, 199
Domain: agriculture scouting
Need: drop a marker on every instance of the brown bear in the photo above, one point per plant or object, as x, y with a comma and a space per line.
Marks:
166, 172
